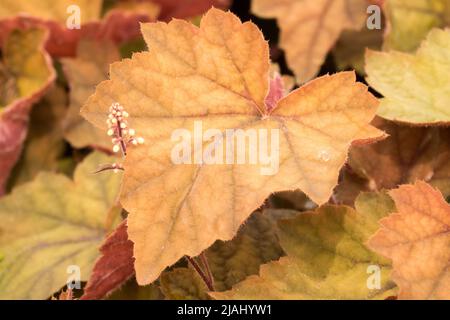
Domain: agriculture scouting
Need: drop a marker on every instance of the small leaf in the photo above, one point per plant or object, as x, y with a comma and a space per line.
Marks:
326, 259
52, 223
417, 239
416, 88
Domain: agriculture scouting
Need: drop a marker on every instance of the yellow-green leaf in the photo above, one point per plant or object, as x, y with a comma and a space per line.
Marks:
409, 21
416, 88
52, 223
255, 244
326, 258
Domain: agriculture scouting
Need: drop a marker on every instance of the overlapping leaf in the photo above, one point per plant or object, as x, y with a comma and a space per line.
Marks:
52, 223
218, 74
326, 257
310, 28
416, 88
417, 239
26, 73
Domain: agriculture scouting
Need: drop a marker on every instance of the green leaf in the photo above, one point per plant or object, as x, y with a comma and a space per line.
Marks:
416, 88
183, 284
326, 257
132, 291
52, 223
256, 243
230, 261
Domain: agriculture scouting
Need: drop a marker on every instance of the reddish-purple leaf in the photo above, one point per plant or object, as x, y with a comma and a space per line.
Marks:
114, 267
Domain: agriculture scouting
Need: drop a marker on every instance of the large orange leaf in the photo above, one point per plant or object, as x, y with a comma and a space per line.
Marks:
219, 74
310, 28
417, 239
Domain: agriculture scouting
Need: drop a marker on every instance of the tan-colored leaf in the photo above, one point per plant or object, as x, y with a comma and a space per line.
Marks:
218, 75
417, 239
26, 72
89, 68
310, 28
53, 223
326, 259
